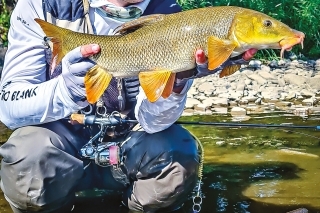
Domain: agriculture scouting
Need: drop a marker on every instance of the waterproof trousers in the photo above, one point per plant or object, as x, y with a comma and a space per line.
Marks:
41, 169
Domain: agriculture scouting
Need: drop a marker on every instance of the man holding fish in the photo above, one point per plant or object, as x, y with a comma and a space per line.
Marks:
50, 73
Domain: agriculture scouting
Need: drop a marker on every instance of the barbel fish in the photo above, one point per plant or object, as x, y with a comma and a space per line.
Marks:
156, 47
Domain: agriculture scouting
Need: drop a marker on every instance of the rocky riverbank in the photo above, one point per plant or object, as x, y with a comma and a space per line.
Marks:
287, 85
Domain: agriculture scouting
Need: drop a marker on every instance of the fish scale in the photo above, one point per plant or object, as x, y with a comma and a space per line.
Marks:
126, 55
166, 44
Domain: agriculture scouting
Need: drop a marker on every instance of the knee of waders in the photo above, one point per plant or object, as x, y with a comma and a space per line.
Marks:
164, 167
36, 175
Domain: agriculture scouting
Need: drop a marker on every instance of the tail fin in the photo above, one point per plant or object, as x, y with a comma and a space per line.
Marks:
56, 35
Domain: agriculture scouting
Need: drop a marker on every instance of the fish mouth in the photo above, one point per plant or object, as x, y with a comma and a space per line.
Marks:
286, 44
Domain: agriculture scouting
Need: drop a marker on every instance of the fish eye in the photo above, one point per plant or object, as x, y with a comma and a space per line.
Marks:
267, 23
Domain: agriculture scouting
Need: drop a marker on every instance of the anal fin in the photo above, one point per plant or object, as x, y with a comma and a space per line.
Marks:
169, 86
96, 81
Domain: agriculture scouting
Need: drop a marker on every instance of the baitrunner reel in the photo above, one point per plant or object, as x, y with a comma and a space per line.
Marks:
102, 153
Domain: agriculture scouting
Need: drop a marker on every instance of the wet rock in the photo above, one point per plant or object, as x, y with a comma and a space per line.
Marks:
255, 64
220, 143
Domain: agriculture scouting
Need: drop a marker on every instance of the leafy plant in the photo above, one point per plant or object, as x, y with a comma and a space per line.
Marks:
4, 23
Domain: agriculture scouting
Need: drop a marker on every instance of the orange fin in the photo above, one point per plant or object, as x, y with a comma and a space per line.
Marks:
218, 51
169, 86
137, 23
56, 35
154, 83
229, 70
96, 81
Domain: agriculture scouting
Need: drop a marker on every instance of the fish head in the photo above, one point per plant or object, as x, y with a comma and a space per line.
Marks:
253, 29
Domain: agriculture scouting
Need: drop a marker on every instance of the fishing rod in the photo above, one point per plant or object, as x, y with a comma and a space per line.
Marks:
224, 124
116, 120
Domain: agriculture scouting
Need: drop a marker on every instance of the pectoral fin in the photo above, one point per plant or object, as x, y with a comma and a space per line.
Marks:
229, 70
96, 82
218, 51
157, 83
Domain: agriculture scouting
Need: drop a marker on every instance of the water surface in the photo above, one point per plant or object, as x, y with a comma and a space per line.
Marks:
257, 170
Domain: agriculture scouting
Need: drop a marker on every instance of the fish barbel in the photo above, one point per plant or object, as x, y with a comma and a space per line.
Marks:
156, 47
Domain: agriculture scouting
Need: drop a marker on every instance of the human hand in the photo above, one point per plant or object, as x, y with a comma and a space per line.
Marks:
75, 65
202, 66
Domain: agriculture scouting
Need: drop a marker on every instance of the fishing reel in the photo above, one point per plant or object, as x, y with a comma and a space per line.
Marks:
102, 153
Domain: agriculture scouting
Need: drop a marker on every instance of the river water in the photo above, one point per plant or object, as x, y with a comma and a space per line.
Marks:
257, 170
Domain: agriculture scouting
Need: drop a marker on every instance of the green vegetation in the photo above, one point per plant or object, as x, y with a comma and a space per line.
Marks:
4, 23
302, 15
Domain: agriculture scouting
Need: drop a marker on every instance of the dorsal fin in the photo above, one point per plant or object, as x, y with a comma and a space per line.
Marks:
131, 26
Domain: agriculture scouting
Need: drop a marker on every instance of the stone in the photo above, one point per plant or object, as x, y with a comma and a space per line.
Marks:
257, 78
281, 81
267, 75
191, 102
238, 111
188, 112
308, 102
208, 102
307, 93
220, 143
294, 79
220, 110
314, 110
314, 83
220, 102
250, 98
290, 96
201, 107
283, 104
206, 86
258, 101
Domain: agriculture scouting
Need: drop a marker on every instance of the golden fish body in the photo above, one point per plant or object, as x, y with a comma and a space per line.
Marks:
165, 44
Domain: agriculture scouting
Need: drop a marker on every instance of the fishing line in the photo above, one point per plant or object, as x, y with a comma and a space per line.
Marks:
286, 128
